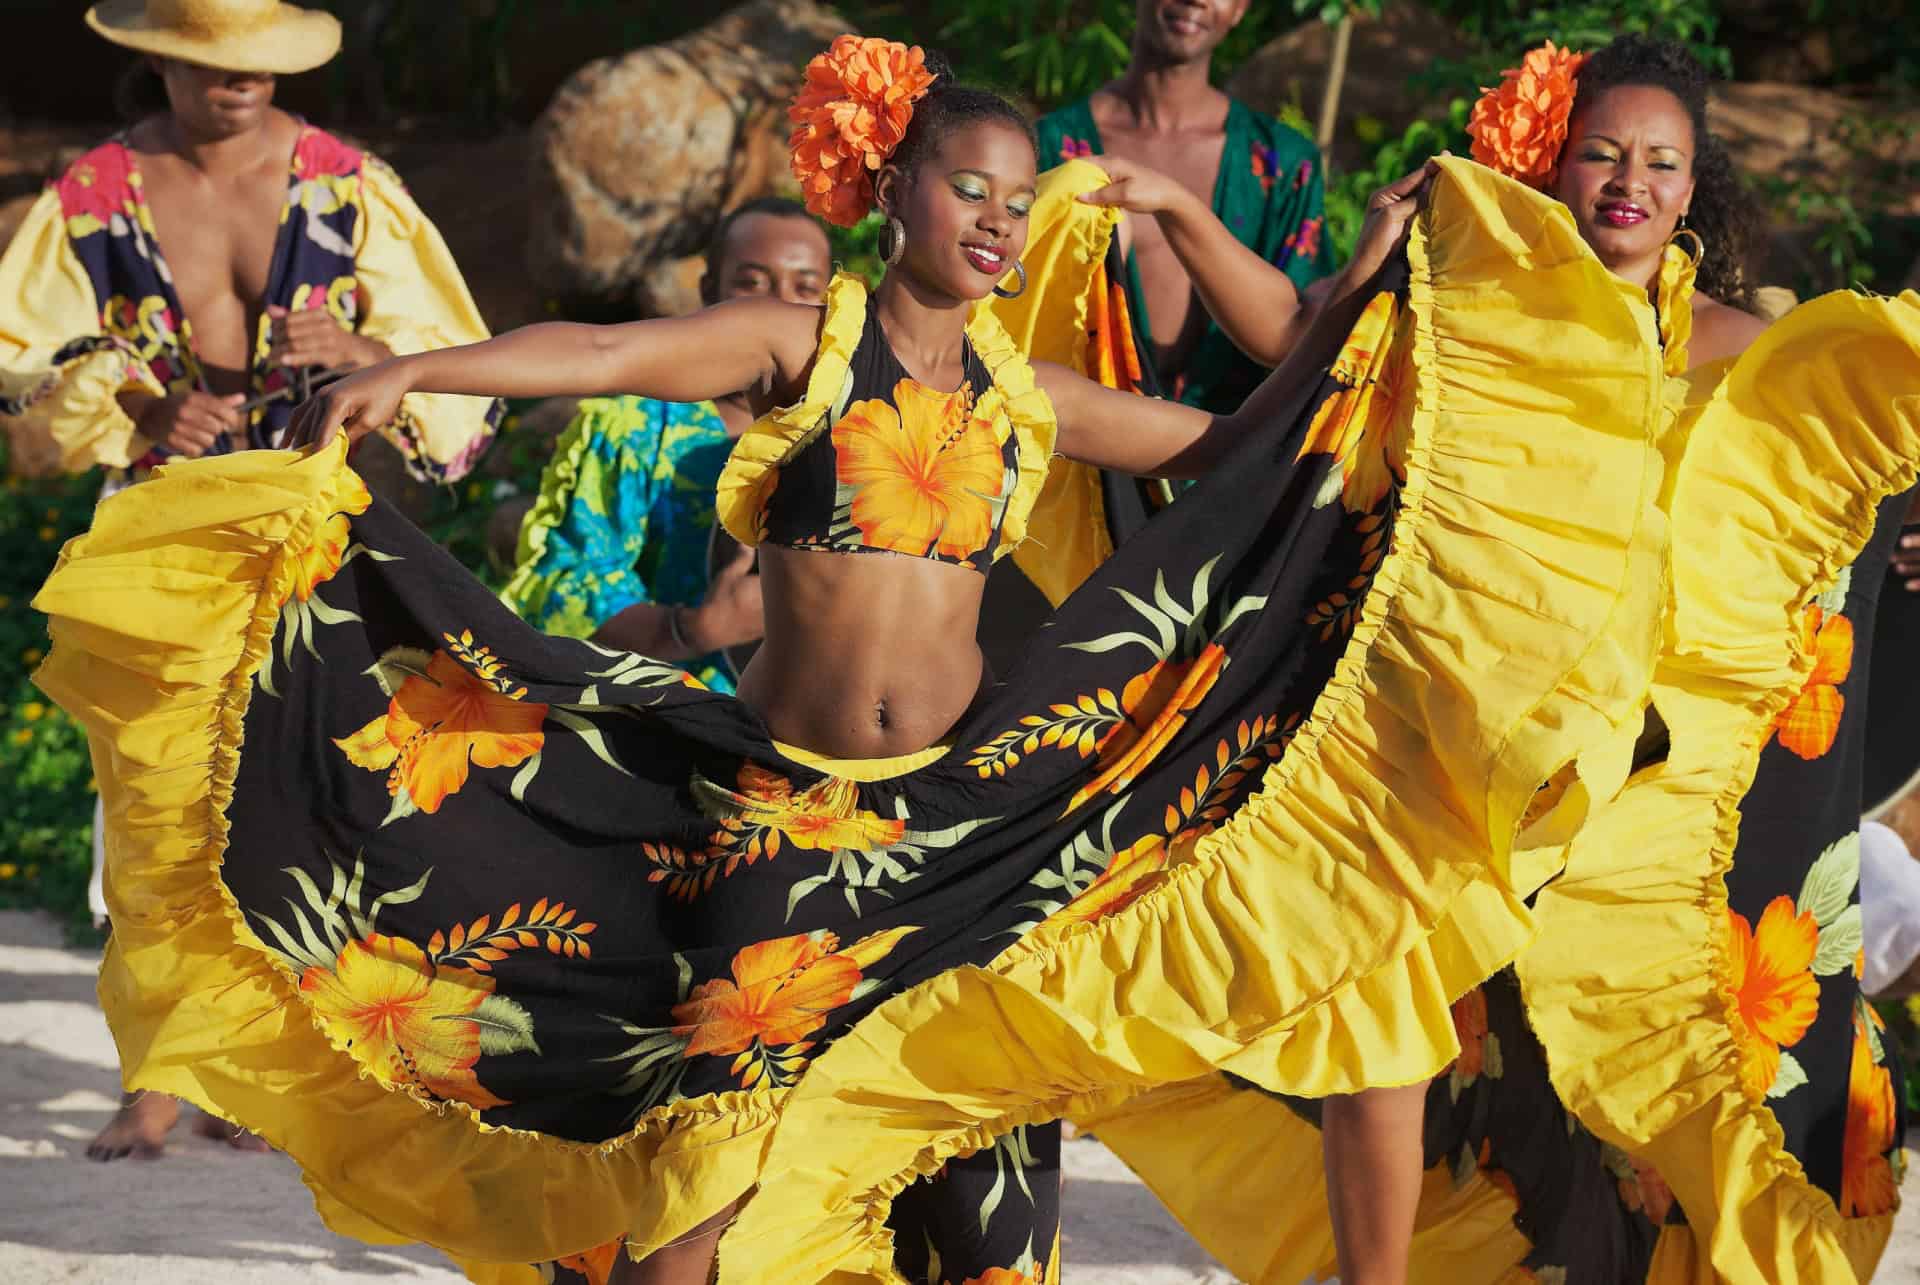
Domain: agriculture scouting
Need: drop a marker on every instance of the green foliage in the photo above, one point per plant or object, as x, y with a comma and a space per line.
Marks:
462, 515
1332, 11
1348, 190
1047, 51
857, 248
1845, 205
1505, 29
46, 779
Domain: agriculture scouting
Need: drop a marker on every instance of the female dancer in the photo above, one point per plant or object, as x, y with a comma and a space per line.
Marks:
1557, 1101
876, 656
584, 950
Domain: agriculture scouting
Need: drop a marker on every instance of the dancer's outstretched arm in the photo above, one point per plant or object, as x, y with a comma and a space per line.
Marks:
744, 344
1154, 438
1256, 304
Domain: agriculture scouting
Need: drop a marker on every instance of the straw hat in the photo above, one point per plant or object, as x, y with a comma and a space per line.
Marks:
233, 35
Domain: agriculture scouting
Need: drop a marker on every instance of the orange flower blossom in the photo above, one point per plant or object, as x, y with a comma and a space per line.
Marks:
849, 116
1519, 126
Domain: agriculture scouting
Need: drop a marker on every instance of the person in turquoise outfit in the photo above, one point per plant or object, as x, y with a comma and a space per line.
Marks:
1261, 178
617, 547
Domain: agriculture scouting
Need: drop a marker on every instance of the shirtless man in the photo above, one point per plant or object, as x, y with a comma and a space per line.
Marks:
1258, 176
174, 290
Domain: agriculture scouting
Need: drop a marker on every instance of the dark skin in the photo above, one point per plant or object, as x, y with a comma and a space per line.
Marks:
214, 171
765, 256
1165, 114
868, 655
1627, 174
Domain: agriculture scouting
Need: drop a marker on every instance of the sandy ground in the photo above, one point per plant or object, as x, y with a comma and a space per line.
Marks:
205, 1215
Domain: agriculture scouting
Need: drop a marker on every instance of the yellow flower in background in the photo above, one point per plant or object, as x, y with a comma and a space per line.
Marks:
8, 870
33, 711
47, 534
32, 872
32, 655
23, 737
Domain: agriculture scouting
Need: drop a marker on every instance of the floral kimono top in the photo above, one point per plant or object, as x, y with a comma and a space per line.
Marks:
1269, 193
88, 310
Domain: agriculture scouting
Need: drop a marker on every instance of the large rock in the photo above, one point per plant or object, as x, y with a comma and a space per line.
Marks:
1382, 61
1811, 140
638, 155
1796, 132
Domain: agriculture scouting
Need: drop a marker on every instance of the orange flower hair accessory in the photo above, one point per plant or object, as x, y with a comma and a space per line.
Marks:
850, 115
1519, 126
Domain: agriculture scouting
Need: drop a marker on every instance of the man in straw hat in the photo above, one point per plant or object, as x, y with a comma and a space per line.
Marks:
182, 286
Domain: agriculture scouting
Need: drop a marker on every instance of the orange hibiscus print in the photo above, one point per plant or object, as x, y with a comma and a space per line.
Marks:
1470, 1028
596, 1264
1646, 1191
781, 991
1775, 992
1363, 425
1128, 876
824, 818
1154, 707
1336, 426
1866, 1176
925, 472
408, 1017
319, 560
1009, 1276
440, 723
1810, 723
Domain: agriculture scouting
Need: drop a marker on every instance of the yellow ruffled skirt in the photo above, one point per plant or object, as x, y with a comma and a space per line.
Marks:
584, 954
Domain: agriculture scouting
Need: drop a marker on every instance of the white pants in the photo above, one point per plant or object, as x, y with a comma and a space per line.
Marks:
97, 885
1889, 906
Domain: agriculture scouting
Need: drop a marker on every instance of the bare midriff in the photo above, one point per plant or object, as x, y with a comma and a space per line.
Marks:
867, 655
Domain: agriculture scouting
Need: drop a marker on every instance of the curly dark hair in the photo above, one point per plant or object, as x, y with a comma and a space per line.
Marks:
1730, 223
948, 106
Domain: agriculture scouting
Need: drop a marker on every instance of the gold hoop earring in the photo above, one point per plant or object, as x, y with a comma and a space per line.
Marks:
1020, 269
892, 241
1699, 246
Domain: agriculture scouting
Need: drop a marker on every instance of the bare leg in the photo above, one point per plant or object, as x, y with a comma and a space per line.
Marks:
138, 1128
686, 1261
1372, 1144
233, 1135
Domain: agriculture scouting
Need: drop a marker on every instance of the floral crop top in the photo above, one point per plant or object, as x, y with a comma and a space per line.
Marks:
871, 460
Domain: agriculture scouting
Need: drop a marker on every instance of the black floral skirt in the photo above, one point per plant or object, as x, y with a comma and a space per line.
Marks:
521, 946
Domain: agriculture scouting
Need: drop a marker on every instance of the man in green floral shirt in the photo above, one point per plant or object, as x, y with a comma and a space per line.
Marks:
1262, 178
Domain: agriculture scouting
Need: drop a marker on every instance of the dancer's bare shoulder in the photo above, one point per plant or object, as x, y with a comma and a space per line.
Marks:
1721, 331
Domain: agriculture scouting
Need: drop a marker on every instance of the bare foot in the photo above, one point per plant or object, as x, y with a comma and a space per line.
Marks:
138, 1128
232, 1134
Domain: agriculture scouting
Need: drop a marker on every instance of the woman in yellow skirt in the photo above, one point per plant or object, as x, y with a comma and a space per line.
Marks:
1679, 1080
